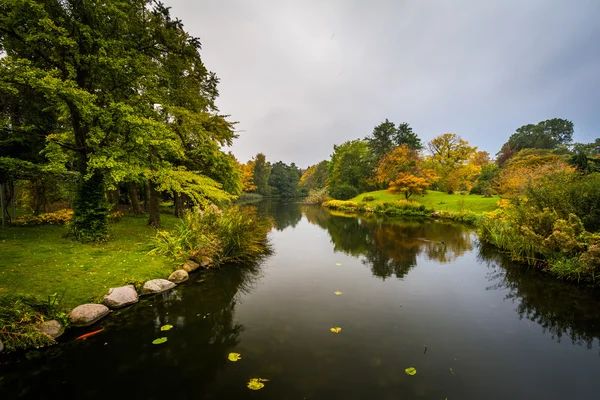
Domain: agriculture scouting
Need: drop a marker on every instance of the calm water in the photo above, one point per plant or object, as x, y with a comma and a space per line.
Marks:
415, 294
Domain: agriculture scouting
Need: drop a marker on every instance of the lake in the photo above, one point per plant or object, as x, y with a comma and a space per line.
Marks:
420, 294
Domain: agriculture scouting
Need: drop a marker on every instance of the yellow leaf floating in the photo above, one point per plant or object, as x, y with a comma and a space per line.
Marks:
234, 357
410, 371
338, 293
166, 327
256, 383
338, 264
337, 329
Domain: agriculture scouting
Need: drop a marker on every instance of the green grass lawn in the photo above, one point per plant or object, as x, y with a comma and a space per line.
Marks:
38, 261
438, 200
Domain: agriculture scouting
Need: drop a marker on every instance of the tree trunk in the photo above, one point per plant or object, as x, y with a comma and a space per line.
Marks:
90, 211
178, 204
153, 210
2, 203
136, 206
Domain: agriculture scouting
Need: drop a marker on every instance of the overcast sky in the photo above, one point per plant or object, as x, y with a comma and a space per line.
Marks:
303, 75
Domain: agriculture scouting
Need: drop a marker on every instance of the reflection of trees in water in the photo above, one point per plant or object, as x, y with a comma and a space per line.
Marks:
391, 246
283, 214
561, 309
205, 314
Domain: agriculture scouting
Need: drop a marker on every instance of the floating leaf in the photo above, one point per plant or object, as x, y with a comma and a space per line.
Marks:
338, 293
256, 383
338, 264
159, 340
337, 329
166, 327
234, 357
410, 371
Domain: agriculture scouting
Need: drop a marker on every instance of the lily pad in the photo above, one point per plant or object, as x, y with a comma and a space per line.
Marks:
410, 371
338, 293
256, 383
337, 329
159, 340
166, 327
338, 264
234, 357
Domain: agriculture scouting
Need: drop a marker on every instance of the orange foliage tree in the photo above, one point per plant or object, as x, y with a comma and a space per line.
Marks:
248, 177
403, 171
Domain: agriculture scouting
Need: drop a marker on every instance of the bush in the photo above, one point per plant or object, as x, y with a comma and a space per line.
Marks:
316, 196
61, 217
343, 192
115, 217
367, 199
236, 234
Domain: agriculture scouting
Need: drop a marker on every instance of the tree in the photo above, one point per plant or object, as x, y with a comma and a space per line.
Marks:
528, 167
586, 157
386, 137
381, 141
248, 177
405, 135
547, 134
451, 159
262, 172
315, 177
404, 171
351, 164
120, 86
284, 179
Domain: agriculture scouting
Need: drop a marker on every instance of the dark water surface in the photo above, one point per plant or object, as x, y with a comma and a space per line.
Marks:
472, 324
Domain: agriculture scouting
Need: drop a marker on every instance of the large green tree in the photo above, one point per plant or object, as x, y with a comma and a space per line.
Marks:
548, 134
352, 164
121, 84
262, 172
284, 179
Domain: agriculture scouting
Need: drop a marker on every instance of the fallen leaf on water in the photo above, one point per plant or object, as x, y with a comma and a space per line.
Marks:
337, 329
410, 371
256, 383
451, 371
338, 264
159, 340
166, 327
234, 356
338, 293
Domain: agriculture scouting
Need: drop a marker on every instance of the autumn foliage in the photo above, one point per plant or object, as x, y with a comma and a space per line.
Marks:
404, 171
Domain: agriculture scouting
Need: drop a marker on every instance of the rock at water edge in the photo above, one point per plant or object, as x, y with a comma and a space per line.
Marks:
157, 286
52, 328
179, 276
190, 266
87, 314
121, 296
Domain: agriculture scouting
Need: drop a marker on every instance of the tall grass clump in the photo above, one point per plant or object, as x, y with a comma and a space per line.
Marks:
233, 235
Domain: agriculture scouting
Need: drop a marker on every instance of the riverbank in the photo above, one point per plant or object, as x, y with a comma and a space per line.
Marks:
461, 208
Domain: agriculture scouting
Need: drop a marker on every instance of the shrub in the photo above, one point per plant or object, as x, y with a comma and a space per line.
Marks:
18, 319
316, 196
368, 198
60, 217
115, 217
236, 234
343, 192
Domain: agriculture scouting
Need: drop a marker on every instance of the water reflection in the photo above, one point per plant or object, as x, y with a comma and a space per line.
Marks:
391, 246
283, 214
561, 309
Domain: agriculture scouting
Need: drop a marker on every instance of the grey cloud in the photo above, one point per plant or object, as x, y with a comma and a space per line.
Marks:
301, 76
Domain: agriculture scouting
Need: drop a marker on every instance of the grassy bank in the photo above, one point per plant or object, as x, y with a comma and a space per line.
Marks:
39, 261
436, 201
460, 208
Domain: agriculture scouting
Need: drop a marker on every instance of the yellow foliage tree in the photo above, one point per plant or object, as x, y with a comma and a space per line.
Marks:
529, 166
453, 161
403, 171
248, 177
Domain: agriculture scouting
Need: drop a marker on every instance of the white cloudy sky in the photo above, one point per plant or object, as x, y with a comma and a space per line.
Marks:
303, 75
